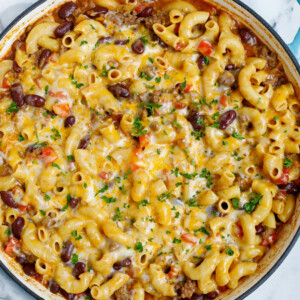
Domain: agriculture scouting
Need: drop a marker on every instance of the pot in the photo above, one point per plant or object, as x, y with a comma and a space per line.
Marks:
288, 234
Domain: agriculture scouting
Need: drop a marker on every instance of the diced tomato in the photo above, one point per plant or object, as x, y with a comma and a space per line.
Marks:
61, 95
222, 289
173, 273
284, 177
264, 242
144, 140
103, 175
188, 87
39, 277
180, 105
61, 109
179, 46
134, 167
205, 47
223, 100
189, 238
270, 240
48, 155
140, 8
23, 47
11, 245
238, 230
23, 207
54, 58
5, 83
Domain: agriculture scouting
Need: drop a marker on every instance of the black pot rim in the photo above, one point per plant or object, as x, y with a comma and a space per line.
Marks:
295, 62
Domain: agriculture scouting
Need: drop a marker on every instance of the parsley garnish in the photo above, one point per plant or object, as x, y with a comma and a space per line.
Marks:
74, 258
183, 85
206, 174
229, 251
203, 230
176, 241
251, 205
237, 136
287, 163
139, 247
83, 42
206, 60
47, 197
55, 165
43, 212
46, 89
150, 106
235, 203
208, 247
74, 82
56, 136
67, 204
13, 108
118, 215
70, 158
137, 127
21, 138
109, 199
143, 203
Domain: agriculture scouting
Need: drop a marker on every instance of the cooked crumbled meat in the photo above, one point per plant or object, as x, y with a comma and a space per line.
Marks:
185, 289
280, 197
156, 96
273, 60
150, 70
263, 52
124, 293
243, 182
158, 16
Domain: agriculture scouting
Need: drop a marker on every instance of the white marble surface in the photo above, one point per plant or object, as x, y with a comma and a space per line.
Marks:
284, 16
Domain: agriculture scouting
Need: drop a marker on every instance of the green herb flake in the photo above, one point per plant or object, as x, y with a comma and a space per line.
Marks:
229, 251
251, 205
235, 203
43, 212
138, 247
74, 258
287, 163
109, 199
13, 108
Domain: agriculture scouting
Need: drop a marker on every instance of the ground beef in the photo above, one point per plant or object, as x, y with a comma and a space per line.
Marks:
271, 57
158, 16
243, 182
185, 289
124, 293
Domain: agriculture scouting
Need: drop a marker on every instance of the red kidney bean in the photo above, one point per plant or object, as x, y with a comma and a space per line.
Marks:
195, 118
67, 251
16, 67
290, 188
138, 46
8, 199
201, 61
231, 67
160, 41
73, 202
44, 58
17, 227
197, 297
32, 147
21, 259
67, 10
54, 287
17, 93
121, 42
260, 229
67, 295
227, 79
34, 100
119, 90
79, 268
96, 12
104, 39
84, 142
226, 119
70, 121
247, 36
212, 295
122, 264
145, 13
29, 269
63, 28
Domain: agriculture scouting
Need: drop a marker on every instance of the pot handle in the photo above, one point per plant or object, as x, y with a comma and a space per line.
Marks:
295, 46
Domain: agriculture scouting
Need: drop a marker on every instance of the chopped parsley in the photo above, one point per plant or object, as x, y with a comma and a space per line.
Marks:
74, 82
229, 251
183, 85
137, 127
55, 165
67, 204
46, 89
146, 76
105, 188
164, 196
203, 230
143, 203
237, 136
109, 199
208, 247
235, 203
206, 60
56, 135
138, 247
21, 138
13, 108
74, 258
287, 163
150, 106
118, 215
47, 197
176, 241
83, 43
251, 205
43, 212
70, 158
206, 174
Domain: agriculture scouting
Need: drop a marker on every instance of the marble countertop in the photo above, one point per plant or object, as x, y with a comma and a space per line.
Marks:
283, 15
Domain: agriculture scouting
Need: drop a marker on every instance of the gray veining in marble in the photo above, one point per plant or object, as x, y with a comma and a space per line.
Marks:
284, 16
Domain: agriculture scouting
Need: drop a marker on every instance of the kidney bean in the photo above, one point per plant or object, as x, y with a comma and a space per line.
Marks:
122, 264
70, 121
212, 295
17, 93
194, 118
226, 119
231, 67
104, 39
121, 42
29, 269
44, 58
54, 287
96, 12
79, 268
290, 188
16, 67
145, 13
84, 142
201, 61
227, 79
119, 90
247, 36
17, 227
160, 41
34, 100
63, 28
138, 46
67, 295
74, 202
260, 229
21, 259
66, 10
197, 297
8, 199
32, 147
67, 251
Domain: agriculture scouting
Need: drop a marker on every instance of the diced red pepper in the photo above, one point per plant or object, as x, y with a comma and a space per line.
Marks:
134, 167
144, 140
173, 273
61, 109
223, 100
189, 238
23, 207
5, 83
11, 245
140, 8
180, 105
48, 155
238, 230
188, 87
284, 177
270, 240
205, 47
103, 175
179, 46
